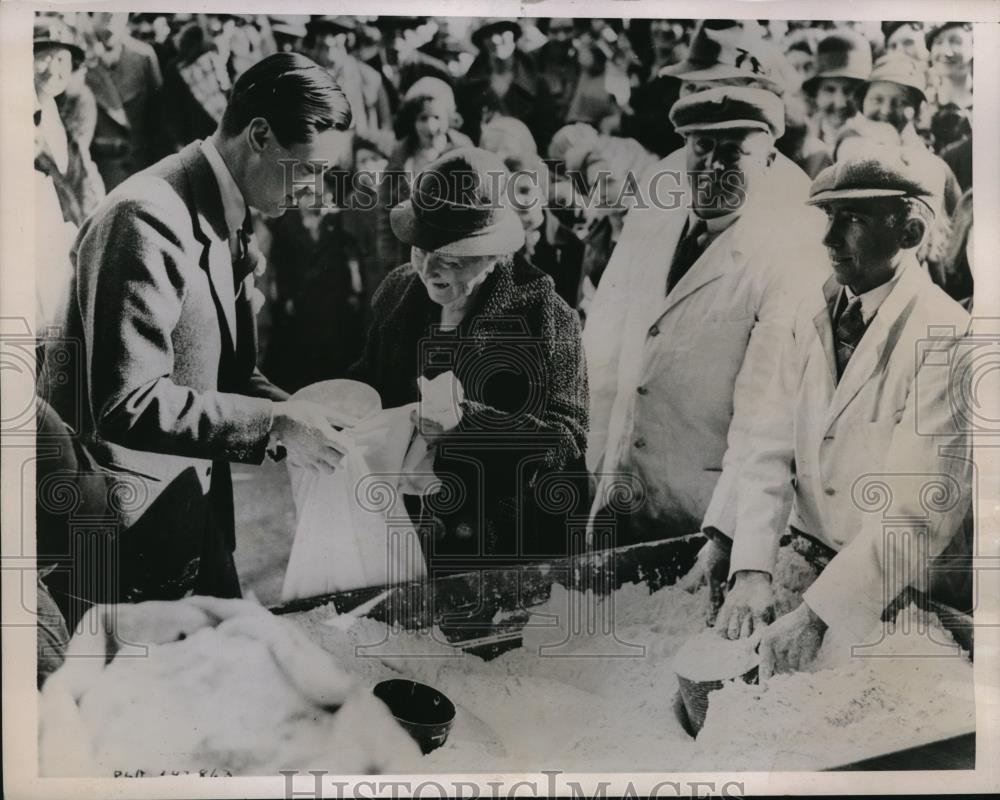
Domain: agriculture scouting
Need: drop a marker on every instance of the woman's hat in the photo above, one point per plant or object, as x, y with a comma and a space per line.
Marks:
936, 30
483, 32
903, 70
458, 207
52, 32
435, 88
841, 54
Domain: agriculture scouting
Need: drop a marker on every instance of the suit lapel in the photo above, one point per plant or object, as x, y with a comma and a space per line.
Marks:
719, 258
210, 223
824, 324
877, 345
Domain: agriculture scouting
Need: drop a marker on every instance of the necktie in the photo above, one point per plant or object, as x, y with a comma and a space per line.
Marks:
687, 252
242, 262
848, 331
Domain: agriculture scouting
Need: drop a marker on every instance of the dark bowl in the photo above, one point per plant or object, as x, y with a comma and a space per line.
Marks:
694, 697
425, 713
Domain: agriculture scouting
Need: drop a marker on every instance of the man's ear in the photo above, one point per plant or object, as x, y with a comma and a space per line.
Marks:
258, 134
913, 233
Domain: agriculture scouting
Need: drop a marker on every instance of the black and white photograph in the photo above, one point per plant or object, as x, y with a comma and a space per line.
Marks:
573, 406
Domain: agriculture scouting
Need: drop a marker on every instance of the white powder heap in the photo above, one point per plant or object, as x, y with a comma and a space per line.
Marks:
592, 689
219, 700
911, 688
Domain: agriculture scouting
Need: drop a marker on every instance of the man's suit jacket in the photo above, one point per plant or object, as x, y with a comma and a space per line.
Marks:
674, 378
883, 442
171, 391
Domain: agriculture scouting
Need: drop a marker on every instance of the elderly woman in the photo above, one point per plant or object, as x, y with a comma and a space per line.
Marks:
514, 467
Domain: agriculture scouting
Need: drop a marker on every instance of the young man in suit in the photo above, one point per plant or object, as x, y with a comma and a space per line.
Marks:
162, 307
866, 386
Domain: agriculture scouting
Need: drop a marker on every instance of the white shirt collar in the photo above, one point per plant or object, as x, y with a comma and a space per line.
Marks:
233, 205
873, 298
715, 225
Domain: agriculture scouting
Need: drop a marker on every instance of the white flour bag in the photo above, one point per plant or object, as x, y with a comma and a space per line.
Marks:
353, 530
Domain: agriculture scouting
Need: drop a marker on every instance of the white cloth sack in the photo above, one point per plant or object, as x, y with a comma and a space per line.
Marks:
353, 530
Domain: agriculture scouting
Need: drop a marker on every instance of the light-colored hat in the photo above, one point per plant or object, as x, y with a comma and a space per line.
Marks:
570, 136
880, 171
730, 108
458, 206
900, 68
434, 88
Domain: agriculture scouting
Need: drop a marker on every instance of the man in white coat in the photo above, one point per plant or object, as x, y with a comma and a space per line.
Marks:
864, 401
684, 329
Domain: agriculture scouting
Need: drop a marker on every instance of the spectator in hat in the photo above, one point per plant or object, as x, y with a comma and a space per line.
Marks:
67, 184
604, 170
895, 94
427, 127
843, 64
196, 87
465, 303
558, 65
503, 80
861, 393
800, 50
331, 41
124, 75
950, 83
699, 285
906, 38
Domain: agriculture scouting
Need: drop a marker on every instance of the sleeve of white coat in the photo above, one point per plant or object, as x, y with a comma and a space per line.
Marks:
928, 443
752, 498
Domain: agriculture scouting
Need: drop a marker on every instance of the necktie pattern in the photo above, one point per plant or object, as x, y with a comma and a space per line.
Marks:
689, 248
242, 262
847, 333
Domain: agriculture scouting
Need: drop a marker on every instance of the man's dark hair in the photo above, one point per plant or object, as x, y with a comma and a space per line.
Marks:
296, 96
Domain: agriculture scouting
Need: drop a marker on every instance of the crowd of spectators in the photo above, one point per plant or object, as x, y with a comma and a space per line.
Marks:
579, 104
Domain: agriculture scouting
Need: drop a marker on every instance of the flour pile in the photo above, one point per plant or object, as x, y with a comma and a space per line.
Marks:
236, 699
592, 688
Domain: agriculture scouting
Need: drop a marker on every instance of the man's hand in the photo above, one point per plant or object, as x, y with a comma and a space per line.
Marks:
748, 607
791, 643
307, 432
711, 567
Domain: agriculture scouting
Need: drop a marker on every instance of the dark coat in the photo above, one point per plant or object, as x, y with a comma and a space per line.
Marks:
527, 98
164, 389
517, 457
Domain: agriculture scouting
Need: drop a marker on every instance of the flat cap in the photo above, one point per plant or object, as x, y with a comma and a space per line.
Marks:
880, 171
728, 108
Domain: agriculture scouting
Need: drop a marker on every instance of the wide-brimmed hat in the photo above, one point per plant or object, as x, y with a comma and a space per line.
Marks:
330, 23
899, 68
877, 172
52, 32
491, 26
458, 206
841, 54
730, 108
722, 49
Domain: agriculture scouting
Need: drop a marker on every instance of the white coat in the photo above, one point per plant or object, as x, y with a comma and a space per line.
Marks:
881, 450
673, 376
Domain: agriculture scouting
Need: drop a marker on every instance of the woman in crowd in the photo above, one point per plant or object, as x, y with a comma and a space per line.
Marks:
514, 468
426, 128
